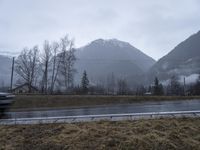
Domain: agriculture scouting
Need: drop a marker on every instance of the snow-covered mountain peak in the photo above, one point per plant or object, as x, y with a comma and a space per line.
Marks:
112, 42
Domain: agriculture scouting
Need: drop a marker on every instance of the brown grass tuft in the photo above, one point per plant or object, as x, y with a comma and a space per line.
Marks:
161, 134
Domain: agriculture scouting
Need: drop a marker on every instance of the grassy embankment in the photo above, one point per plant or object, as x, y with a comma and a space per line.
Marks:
59, 101
160, 134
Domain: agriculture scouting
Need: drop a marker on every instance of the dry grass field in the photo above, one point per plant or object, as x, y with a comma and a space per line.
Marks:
43, 101
163, 134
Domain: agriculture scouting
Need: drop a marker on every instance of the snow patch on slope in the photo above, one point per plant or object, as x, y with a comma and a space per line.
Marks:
188, 79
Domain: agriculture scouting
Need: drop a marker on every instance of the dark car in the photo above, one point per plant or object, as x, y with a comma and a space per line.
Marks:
6, 99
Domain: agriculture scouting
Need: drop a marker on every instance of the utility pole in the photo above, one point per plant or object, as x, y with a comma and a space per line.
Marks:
11, 80
184, 86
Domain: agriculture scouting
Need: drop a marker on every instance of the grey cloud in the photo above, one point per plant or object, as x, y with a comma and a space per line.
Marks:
153, 26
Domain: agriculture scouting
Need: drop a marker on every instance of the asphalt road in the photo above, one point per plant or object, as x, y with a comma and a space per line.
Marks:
144, 107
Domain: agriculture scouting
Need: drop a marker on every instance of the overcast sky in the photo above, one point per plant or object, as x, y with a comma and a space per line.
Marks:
153, 26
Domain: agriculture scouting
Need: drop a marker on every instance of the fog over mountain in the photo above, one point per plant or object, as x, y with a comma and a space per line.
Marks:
101, 58
183, 60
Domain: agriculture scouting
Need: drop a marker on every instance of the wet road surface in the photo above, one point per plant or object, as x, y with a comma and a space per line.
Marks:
142, 107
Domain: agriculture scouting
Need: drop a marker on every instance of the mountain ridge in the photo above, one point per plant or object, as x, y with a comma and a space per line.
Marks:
103, 57
184, 59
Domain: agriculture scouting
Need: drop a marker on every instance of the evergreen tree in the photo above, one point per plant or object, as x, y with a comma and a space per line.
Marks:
158, 88
85, 83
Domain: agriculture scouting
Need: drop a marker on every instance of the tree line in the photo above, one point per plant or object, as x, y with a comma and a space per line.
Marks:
173, 88
51, 70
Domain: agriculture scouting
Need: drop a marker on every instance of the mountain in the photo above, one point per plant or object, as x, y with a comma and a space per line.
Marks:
5, 70
184, 59
101, 58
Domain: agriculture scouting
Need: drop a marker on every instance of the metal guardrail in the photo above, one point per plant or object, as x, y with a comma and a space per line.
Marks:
88, 118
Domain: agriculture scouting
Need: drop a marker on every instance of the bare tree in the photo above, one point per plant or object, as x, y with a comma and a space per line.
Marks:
45, 62
55, 66
141, 90
111, 83
67, 61
27, 65
174, 87
122, 87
